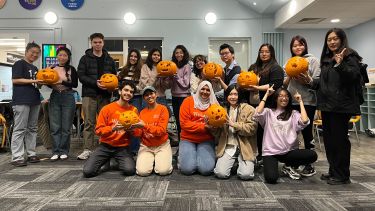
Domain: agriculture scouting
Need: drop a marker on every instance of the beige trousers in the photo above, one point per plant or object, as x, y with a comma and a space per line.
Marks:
161, 156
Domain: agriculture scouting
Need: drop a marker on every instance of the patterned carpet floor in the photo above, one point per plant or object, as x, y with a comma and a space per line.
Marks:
60, 186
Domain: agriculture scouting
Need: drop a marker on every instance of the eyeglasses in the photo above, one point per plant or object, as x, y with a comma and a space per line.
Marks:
224, 53
283, 96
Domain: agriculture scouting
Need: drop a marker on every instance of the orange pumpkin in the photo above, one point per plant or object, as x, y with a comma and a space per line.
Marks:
247, 79
109, 81
212, 70
48, 76
216, 115
128, 118
296, 65
166, 68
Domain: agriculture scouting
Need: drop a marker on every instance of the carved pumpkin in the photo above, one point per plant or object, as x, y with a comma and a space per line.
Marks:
216, 115
247, 79
296, 65
166, 68
48, 75
109, 81
212, 70
128, 118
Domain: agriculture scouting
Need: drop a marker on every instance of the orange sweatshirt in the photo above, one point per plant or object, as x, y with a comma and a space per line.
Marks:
192, 123
107, 119
156, 121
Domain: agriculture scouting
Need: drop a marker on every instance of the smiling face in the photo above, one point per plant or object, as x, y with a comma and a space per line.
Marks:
205, 92
62, 57
32, 55
282, 99
233, 97
298, 48
97, 44
126, 93
150, 97
265, 54
199, 64
133, 58
156, 57
333, 42
179, 54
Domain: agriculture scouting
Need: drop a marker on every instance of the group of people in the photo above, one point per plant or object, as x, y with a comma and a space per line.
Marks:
263, 121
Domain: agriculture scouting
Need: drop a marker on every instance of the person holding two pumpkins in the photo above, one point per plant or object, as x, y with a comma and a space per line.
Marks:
337, 91
114, 137
25, 104
132, 72
95, 95
181, 82
269, 73
62, 106
155, 152
197, 145
308, 65
236, 139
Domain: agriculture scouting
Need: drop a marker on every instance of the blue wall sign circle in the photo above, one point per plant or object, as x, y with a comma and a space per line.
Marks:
30, 4
72, 4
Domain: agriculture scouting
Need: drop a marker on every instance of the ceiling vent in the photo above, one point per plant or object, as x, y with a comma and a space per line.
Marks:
310, 20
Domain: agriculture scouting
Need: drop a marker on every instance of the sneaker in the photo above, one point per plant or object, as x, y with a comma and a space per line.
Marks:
54, 158
33, 159
293, 174
63, 157
84, 155
308, 171
334, 181
325, 176
19, 163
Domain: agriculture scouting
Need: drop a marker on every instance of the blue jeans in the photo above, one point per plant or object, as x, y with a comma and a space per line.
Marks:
61, 110
196, 157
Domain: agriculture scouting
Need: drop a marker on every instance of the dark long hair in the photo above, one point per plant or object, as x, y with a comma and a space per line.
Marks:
326, 53
137, 69
185, 59
301, 40
197, 71
284, 116
149, 61
67, 64
261, 68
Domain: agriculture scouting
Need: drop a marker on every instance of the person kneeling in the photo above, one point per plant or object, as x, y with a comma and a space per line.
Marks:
114, 139
281, 124
155, 146
237, 138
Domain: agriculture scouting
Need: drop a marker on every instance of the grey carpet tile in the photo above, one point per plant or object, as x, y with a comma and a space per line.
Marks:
251, 204
29, 204
310, 204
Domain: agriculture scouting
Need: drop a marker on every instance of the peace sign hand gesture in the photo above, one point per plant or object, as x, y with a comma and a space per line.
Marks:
340, 56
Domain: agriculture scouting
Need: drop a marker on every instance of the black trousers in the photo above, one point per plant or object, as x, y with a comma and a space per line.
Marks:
104, 153
307, 132
293, 158
176, 104
337, 144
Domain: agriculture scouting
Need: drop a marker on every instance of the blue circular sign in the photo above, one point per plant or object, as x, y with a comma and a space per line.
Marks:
72, 4
30, 4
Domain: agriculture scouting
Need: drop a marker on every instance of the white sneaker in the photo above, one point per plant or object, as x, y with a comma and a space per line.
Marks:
54, 158
63, 157
84, 155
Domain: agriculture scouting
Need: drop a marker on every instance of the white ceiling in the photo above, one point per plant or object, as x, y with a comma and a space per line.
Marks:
350, 12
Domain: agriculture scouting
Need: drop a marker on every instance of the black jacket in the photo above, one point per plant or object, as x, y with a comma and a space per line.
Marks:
88, 73
337, 86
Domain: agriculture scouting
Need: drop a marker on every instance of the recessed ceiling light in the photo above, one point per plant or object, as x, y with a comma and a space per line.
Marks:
335, 20
210, 18
237, 42
254, 3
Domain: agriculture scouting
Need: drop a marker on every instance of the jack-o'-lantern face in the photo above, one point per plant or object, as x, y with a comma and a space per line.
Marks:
296, 65
49, 76
212, 70
216, 115
247, 79
166, 68
109, 81
128, 118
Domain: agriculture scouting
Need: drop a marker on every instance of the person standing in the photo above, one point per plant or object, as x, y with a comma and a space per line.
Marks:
25, 104
338, 100
91, 67
298, 47
62, 106
231, 69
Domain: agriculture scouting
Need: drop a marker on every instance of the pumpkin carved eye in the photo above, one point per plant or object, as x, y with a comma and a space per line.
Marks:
49, 76
109, 81
216, 115
296, 65
212, 70
166, 68
247, 79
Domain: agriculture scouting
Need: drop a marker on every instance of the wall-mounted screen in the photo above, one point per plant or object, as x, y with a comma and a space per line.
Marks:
6, 86
49, 56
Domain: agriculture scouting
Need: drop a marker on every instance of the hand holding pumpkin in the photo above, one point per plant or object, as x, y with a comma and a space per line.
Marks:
302, 78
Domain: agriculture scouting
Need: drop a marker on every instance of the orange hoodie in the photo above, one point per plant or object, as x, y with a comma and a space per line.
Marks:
156, 121
192, 123
107, 119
